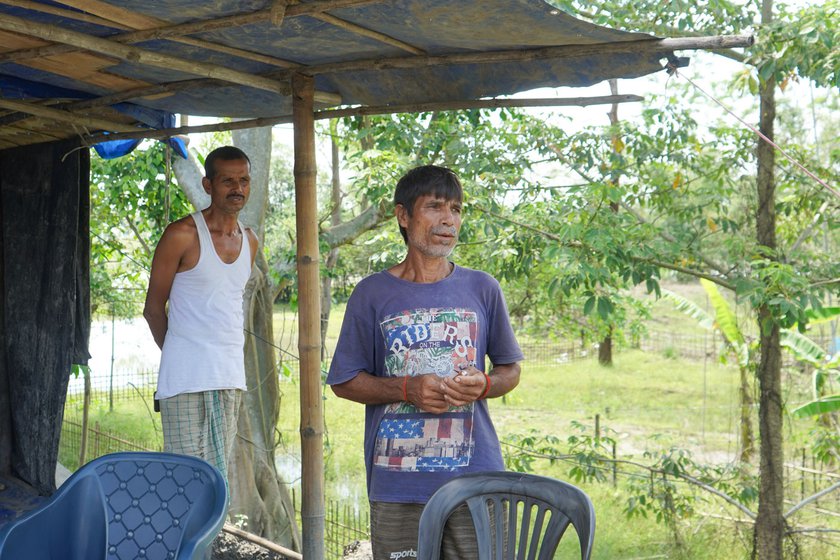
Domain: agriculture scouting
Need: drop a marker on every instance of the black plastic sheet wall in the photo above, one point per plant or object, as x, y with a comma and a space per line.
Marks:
45, 322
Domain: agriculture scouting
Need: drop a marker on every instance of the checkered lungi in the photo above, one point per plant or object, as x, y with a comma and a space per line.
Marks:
394, 532
202, 425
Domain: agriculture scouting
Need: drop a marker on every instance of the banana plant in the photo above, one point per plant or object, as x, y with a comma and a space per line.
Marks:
826, 367
725, 321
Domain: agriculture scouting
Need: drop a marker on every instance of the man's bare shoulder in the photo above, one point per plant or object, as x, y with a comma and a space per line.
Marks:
179, 235
183, 228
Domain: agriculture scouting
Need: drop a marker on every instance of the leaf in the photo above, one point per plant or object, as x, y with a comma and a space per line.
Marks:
724, 316
801, 346
822, 315
711, 223
76, 369
605, 307
727, 322
690, 308
824, 405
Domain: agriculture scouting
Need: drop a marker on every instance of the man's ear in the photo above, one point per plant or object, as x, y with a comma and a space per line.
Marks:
402, 215
205, 182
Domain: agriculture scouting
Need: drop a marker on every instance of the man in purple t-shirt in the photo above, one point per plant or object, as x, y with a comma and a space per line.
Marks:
412, 348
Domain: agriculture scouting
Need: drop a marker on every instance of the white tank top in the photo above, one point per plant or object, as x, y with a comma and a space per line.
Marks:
204, 345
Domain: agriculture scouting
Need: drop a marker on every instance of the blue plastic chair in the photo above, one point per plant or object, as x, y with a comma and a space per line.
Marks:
516, 515
125, 506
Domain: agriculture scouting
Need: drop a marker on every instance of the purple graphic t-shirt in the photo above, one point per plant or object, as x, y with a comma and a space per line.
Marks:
394, 328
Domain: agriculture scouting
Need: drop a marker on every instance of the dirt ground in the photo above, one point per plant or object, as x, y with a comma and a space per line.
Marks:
231, 547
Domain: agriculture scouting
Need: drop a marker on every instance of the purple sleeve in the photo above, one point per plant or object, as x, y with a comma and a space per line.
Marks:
502, 347
354, 351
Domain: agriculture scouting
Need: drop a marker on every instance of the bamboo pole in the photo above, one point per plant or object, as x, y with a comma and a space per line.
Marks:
64, 116
309, 305
378, 110
365, 32
651, 46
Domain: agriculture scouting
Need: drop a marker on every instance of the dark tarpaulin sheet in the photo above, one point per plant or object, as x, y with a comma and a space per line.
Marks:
19, 88
46, 319
435, 26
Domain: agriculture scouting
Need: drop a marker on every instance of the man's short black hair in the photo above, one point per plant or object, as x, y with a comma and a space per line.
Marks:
225, 153
431, 180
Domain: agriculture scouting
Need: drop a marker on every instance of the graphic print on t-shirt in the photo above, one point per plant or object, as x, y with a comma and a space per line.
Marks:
420, 341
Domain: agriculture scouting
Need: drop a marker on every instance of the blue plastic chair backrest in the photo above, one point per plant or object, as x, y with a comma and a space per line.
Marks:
516, 515
125, 506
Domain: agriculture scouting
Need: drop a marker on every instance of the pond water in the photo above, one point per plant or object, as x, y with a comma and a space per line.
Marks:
124, 348
127, 348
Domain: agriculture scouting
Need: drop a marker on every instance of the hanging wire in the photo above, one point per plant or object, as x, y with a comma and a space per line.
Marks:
672, 69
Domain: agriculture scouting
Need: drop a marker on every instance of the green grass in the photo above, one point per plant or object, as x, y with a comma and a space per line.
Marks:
137, 425
685, 404
640, 395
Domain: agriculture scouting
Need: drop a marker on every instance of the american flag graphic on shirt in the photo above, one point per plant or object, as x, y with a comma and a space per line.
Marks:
440, 341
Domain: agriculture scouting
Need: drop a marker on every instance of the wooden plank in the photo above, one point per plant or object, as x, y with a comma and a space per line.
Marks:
10, 42
86, 67
65, 116
44, 49
61, 12
115, 14
139, 56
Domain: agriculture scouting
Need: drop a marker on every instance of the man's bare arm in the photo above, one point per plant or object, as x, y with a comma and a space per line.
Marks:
423, 391
170, 250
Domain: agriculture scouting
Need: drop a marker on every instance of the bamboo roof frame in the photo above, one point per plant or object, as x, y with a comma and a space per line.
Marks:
141, 27
30, 120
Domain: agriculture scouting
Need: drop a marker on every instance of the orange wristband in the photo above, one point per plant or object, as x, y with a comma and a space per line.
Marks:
487, 387
405, 388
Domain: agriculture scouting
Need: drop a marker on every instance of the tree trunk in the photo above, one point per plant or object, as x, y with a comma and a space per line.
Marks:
605, 354
259, 497
605, 351
770, 523
747, 438
335, 220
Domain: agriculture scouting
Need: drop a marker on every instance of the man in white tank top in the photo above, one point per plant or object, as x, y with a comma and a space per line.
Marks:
200, 269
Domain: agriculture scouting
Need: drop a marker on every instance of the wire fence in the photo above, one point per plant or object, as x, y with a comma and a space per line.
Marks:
120, 384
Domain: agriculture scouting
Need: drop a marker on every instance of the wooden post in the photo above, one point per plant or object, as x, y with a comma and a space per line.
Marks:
309, 305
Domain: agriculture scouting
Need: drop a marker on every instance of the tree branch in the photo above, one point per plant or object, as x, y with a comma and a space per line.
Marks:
579, 245
664, 235
347, 231
139, 237
811, 498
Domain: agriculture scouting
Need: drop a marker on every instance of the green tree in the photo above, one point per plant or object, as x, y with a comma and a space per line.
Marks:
792, 44
131, 199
